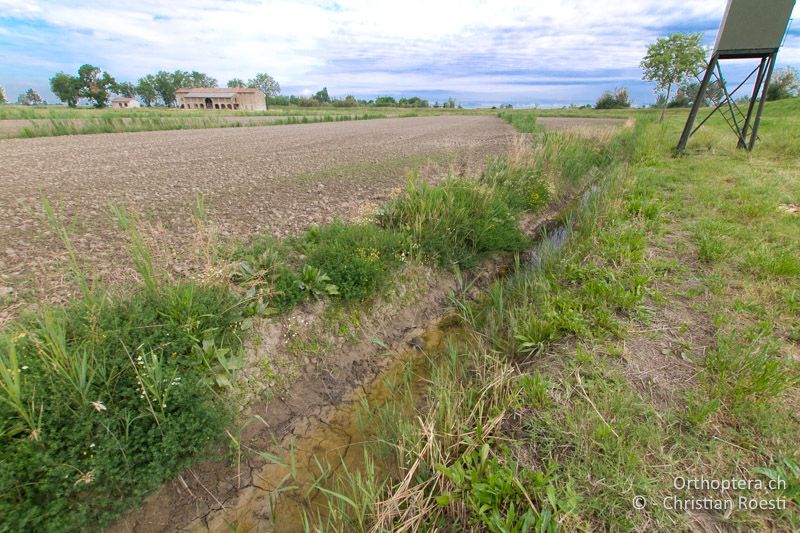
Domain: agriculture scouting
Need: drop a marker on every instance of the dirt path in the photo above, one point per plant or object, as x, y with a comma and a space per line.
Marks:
275, 179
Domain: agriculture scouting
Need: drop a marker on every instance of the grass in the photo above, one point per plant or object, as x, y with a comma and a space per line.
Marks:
455, 222
659, 343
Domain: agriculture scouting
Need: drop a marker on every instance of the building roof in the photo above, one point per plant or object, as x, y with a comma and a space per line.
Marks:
217, 91
123, 100
209, 95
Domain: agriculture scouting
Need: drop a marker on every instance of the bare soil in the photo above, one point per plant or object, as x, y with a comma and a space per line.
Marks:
278, 180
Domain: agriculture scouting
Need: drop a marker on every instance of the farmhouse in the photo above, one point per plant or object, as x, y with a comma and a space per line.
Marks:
124, 103
221, 98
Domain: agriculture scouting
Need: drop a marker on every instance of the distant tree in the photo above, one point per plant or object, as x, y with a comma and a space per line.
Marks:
414, 101
96, 85
322, 97
784, 84
307, 102
616, 99
688, 90
2, 95
671, 61
347, 101
237, 83
30, 97
682, 98
266, 84
165, 85
385, 101
67, 88
281, 100
146, 89
126, 89
451, 103
195, 79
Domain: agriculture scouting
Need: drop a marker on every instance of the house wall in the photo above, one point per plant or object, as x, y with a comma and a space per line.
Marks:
244, 101
125, 105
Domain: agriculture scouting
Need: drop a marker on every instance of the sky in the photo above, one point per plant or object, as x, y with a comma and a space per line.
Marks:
481, 52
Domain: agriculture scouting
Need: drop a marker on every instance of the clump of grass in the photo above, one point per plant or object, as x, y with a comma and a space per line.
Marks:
746, 370
455, 222
523, 187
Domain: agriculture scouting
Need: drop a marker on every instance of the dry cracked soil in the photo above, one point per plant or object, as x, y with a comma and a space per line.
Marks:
277, 180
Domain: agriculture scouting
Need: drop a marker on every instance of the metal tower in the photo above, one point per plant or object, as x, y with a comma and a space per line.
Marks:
750, 30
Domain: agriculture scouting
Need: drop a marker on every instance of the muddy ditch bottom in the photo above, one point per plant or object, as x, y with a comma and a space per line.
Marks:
297, 442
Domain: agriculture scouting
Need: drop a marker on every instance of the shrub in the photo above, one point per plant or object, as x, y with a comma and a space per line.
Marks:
784, 84
616, 99
454, 222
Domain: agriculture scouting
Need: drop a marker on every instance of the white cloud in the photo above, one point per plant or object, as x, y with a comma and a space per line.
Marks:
358, 45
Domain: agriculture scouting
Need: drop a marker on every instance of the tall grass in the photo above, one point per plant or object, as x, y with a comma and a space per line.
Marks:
455, 222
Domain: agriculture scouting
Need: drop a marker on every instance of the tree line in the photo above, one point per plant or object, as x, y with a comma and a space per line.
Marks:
93, 84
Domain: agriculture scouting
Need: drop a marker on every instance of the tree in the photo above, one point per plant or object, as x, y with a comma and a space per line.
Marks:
266, 84
784, 84
347, 101
67, 88
196, 79
96, 85
322, 96
165, 85
671, 61
616, 99
30, 97
146, 89
2, 95
126, 89
237, 83
688, 91
385, 101
414, 101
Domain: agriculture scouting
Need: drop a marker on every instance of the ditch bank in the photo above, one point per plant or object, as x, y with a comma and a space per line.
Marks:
306, 413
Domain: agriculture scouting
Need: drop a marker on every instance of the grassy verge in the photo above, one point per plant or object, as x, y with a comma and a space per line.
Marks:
657, 349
